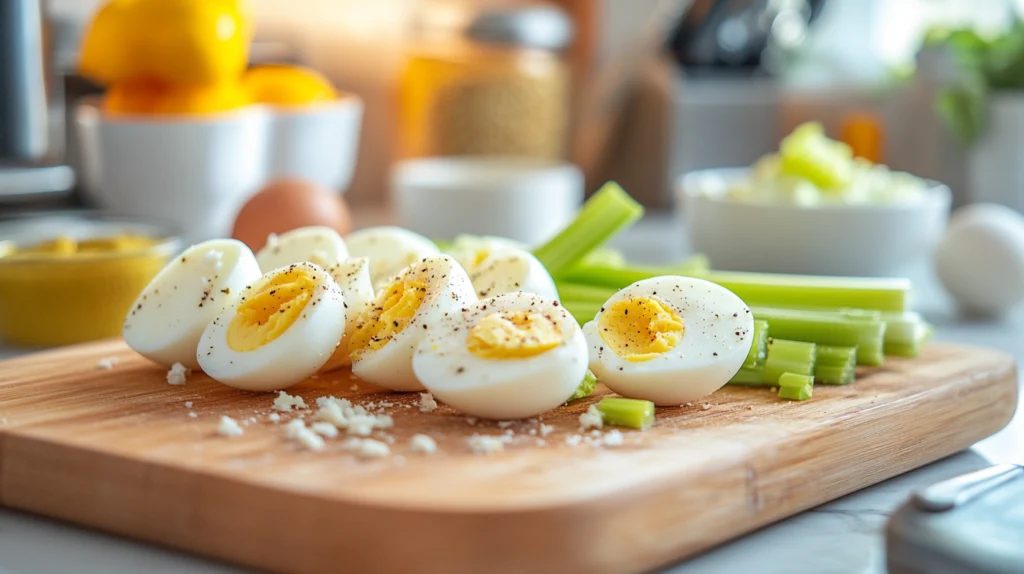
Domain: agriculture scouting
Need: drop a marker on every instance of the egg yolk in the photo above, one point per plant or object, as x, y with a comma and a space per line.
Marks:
391, 312
513, 335
641, 328
267, 314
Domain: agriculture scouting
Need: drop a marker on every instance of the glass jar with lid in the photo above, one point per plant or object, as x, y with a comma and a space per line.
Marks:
486, 80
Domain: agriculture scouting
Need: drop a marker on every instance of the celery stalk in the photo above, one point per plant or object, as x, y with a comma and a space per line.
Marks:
622, 412
798, 291
795, 386
788, 357
607, 212
758, 347
751, 377
827, 329
618, 277
905, 333
586, 388
583, 293
835, 365
582, 311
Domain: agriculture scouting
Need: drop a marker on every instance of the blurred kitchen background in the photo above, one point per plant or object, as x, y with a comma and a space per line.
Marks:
653, 88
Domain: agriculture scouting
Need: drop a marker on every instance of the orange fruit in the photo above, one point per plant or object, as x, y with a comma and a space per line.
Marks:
286, 85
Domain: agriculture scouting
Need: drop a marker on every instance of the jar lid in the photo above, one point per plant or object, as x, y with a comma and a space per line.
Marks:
543, 26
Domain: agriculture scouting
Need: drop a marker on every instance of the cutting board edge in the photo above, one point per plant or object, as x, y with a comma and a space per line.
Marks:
1002, 382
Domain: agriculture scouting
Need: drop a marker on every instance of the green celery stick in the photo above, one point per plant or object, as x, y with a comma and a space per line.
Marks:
827, 329
905, 333
788, 357
605, 256
583, 293
749, 377
586, 388
835, 365
758, 346
799, 291
618, 277
622, 412
795, 386
582, 311
607, 212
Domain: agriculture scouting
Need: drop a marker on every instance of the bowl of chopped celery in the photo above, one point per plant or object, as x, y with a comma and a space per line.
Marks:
812, 208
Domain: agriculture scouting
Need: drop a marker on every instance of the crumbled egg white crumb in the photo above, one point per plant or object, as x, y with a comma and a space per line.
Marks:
423, 444
214, 257
591, 419
427, 402
613, 438
595, 433
573, 440
106, 363
532, 432
285, 402
354, 418
505, 424
705, 406
296, 430
471, 420
687, 405
192, 415
228, 427
188, 404
354, 387
325, 429
545, 430
482, 444
177, 374
274, 417
368, 448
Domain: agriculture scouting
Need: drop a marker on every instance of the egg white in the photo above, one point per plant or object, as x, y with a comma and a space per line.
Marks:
167, 319
293, 356
317, 244
510, 270
502, 388
353, 278
448, 292
469, 249
717, 337
389, 249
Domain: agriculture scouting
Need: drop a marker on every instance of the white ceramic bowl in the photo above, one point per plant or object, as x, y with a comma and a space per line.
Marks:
197, 171
523, 199
318, 143
854, 240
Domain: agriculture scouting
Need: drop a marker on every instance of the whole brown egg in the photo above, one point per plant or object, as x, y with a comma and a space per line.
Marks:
287, 204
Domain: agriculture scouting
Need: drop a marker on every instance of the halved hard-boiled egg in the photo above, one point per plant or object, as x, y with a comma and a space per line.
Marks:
669, 339
508, 357
510, 270
353, 278
403, 313
168, 318
316, 244
471, 250
282, 330
390, 250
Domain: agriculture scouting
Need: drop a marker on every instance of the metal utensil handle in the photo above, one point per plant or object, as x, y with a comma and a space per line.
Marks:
23, 103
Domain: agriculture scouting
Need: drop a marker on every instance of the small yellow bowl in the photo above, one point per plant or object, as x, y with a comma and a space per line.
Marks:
48, 299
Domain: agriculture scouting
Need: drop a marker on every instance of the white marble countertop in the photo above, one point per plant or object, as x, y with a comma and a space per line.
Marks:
838, 537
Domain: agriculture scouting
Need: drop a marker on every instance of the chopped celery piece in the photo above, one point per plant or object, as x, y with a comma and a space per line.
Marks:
605, 256
835, 365
618, 277
581, 292
808, 153
582, 311
795, 386
622, 412
799, 291
586, 388
788, 357
905, 333
753, 377
607, 212
758, 346
827, 329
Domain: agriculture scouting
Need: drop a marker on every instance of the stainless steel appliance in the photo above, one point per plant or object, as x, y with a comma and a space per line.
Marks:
31, 108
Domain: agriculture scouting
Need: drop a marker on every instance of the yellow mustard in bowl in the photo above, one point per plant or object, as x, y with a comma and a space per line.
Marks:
68, 279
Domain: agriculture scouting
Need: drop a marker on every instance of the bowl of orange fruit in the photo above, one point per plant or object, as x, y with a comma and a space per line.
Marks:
187, 131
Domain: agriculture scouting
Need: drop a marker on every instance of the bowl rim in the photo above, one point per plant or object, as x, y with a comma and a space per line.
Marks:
493, 174
936, 195
88, 109
168, 241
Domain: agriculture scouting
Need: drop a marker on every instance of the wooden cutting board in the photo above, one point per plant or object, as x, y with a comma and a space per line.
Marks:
117, 450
